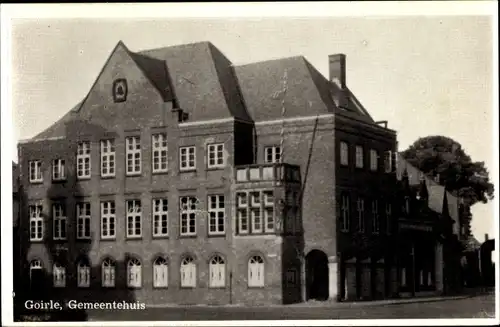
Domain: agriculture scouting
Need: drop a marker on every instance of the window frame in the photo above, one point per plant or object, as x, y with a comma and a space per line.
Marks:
37, 219
85, 266
108, 264
59, 166
188, 261
345, 213
83, 156
185, 156
60, 221
134, 269
344, 153
215, 221
213, 148
135, 162
275, 152
165, 268
360, 157
373, 160
252, 282
185, 215
157, 152
135, 217
58, 270
217, 264
35, 171
84, 220
360, 205
110, 216
108, 156
158, 217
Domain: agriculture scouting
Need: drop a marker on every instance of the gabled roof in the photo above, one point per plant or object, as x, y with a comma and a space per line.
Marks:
156, 71
262, 87
202, 79
58, 129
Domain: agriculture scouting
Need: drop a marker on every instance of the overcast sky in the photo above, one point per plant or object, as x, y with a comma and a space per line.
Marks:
426, 76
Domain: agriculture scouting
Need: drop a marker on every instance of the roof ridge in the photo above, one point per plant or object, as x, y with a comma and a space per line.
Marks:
180, 45
271, 60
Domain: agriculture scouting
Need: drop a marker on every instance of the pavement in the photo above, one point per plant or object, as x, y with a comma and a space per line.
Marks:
465, 306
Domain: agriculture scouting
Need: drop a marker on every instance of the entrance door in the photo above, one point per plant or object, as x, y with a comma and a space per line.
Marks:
317, 275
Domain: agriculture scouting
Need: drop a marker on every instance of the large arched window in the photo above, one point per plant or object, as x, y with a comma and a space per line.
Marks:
160, 272
108, 273
134, 270
83, 273
188, 272
59, 274
256, 271
217, 269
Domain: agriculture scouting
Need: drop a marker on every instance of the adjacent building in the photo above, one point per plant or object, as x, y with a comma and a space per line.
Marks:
181, 178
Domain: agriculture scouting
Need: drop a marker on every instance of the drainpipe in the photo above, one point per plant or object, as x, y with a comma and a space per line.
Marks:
413, 291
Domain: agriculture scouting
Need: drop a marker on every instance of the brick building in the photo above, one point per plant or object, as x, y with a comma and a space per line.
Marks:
181, 178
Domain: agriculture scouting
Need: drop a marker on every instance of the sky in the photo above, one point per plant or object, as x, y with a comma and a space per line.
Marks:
425, 75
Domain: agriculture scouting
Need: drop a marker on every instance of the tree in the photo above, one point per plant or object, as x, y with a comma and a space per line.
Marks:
444, 158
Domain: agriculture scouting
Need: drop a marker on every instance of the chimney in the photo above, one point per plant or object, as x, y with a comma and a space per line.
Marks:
337, 69
486, 237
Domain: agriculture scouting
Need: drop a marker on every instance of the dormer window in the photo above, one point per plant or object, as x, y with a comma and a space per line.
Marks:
120, 90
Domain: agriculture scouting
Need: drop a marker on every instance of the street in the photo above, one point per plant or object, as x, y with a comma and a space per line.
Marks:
473, 307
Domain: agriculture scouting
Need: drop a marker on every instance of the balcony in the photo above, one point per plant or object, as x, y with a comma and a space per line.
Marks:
268, 173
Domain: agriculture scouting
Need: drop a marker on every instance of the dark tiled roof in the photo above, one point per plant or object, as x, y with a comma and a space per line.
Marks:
202, 80
262, 86
156, 71
471, 244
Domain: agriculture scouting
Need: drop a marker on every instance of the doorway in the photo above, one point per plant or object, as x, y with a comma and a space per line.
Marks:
317, 275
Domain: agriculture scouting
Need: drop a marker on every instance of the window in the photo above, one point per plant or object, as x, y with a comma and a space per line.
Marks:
242, 213
345, 217
388, 214
160, 272
406, 206
83, 160
160, 157
108, 273
134, 228
35, 170
59, 274
361, 215
269, 211
83, 274
189, 207
273, 154
36, 223
108, 158
108, 220
160, 217
188, 272
134, 273
375, 218
133, 153
256, 272
216, 155
187, 158
344, 154
217, 214
58, 170
255, 212
217, 271
83, 220
359, 156
59, 215
373, 160
388, 161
